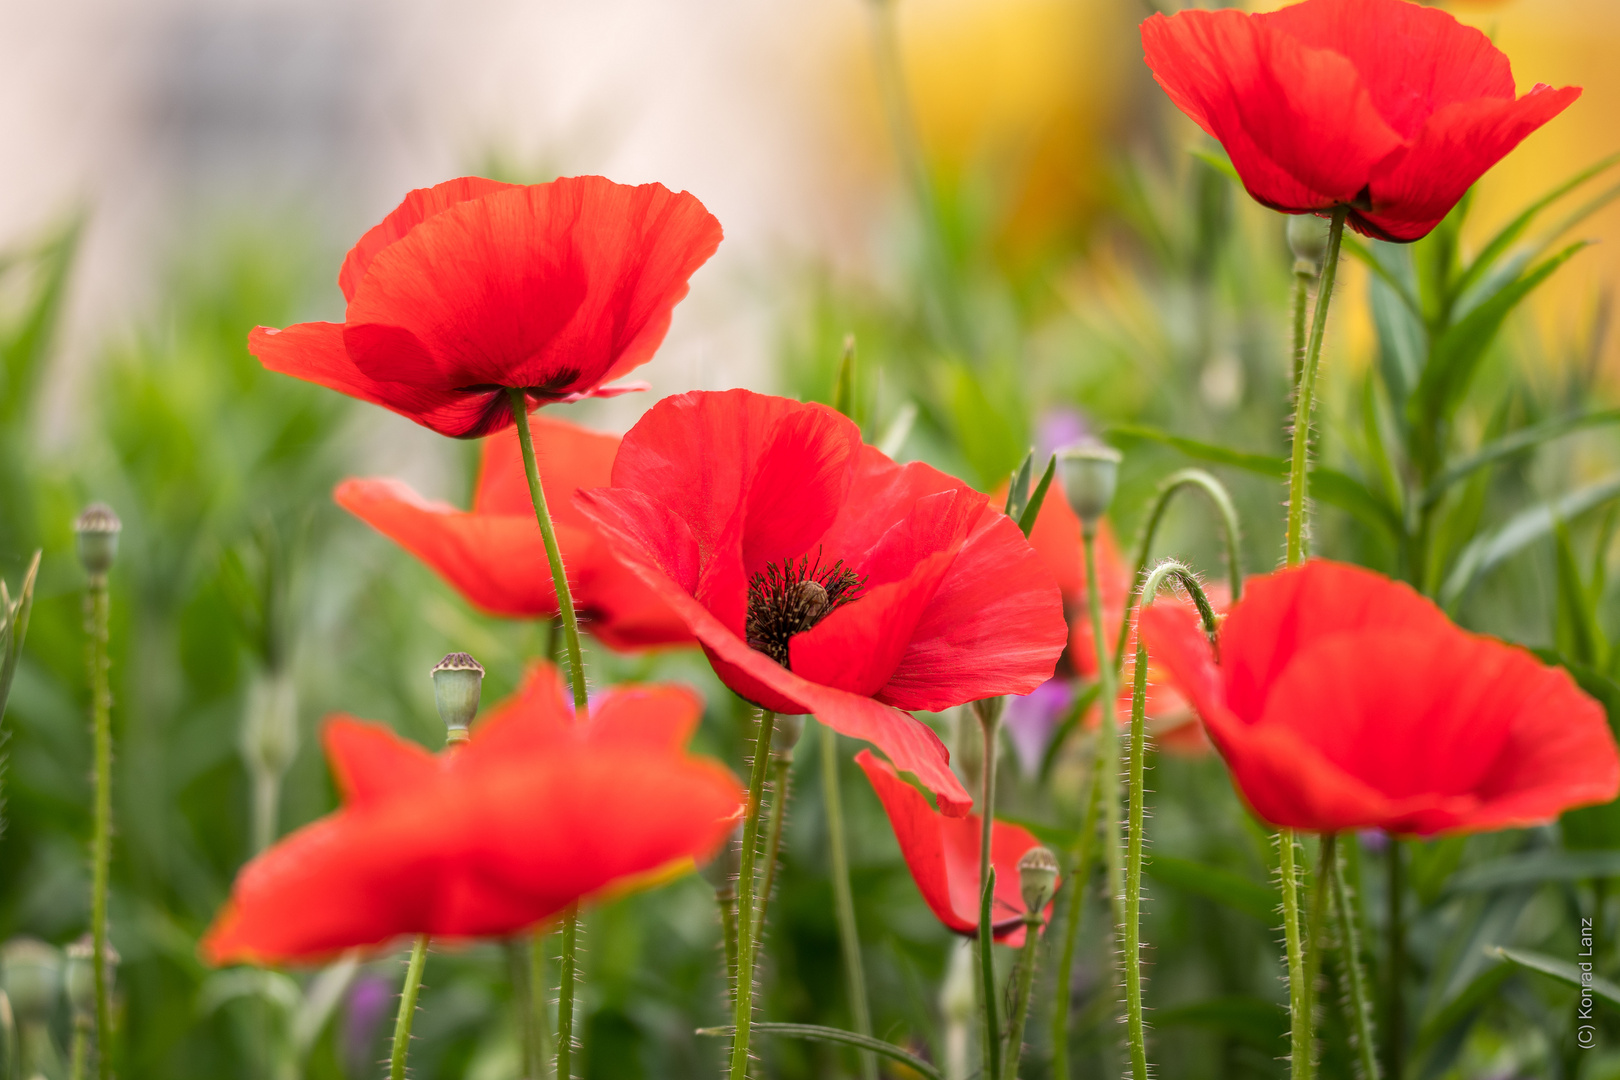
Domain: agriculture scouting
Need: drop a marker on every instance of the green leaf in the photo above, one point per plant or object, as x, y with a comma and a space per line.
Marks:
1489, 549
1212, 883
1216, 158
23, 347
1563, 971
894, 437
1026, 520
1254, 1021
1576, 628
1018, 487
15, 619
1527, 438
1456, 354
1535, 868
1053, 836
844, 385
1336, 488
834, 1035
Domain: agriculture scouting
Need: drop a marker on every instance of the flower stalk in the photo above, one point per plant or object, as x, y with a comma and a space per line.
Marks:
989, 713
1299, 1010
1037, 878
1355, 977
1108, 763
1305, 395
843, 898
567, 976
1079, 877
744, 1011
407, 1008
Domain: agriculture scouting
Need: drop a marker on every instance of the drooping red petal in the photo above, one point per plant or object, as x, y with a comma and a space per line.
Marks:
556, 286
942, 854
417, 207
371, 763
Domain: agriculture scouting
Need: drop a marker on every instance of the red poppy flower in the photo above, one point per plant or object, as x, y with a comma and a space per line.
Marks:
471, 287
529, 816
1387, 107
1345, 700
493, 555
821, 577
942, 854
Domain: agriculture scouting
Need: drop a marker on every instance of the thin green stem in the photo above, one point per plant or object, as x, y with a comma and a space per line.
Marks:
989, 715
1135, 1033
542, 1022
407, 1008
1355, 977
80, 1067
98, 617
1079, 878
1299, 1011
1395, 964
266, 807
844, 899
517, 972
1108, 763
744, 1014
781, 771
1305, 395
1318, 893
559, 575
1302, 291
567, 976
1025, 984
726, 898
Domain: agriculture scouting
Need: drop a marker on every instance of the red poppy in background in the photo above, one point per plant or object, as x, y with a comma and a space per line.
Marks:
1056, 538
1345, 700
529, 816
821, 577
472, 287
942, 854
494, 556
1387, 107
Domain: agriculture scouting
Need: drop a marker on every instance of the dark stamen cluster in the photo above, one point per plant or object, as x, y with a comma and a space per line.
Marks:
790, 597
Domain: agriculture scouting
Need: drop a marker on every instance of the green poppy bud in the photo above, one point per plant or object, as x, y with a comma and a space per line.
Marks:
269, 737
1037, 878
1308, 240
97, 533
32, 971
785, 736
457, 680
1089, 472
79, 975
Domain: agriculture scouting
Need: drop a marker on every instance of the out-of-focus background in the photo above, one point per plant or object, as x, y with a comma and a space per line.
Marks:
992, 195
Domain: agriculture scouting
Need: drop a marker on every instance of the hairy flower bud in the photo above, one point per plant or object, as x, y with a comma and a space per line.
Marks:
1037, 878
1090, 472
457, 680
32, 972
97, 531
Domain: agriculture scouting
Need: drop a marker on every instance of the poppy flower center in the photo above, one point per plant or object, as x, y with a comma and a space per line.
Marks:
790, 597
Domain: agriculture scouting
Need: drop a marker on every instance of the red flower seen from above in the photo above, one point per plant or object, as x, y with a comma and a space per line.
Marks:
472, 287
1344, 700
532, 814
821, 577
1384, 106
942, 854
493, 555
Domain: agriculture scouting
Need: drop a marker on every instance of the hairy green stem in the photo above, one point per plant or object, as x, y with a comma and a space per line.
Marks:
1305, 395
1317, 942
1395, 964
849, 940
559, 575
79, 1069
726, 898
537, 1002
989, 715
98, 617
1108, 763
517, 971
1355, 977
781, 770
1079, 877
567, 977
1299, 1010
1021, 996
407, 1008
744, 1013
1304, 274
1135, 1033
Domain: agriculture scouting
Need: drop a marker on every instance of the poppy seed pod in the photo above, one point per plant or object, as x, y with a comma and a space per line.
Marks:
1089, 472
1037, 877
457, 680
785, 736
97, 531
32, 972
1308, 240
79, 974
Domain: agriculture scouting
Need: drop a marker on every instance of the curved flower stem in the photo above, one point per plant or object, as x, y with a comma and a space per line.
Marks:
1026, 982
407, 1008
1361, 1023
744, 1014
567, 976
989, 713
1222, 501
559, 575
1108, 763
1305, 395
98, 617
1135, 1033
843, 899
1079, 877
1299, 1011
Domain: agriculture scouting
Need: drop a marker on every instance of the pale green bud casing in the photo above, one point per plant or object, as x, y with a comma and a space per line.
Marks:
1308, 240
32, 971
457, 680
79, 975
1037, 878
269, 738
96, 531
1089, 473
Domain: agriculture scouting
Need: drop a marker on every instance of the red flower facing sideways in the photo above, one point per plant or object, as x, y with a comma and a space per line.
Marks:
529, 816
821, 577
943, 856
494, 556
1387, 107
1344, 700
472, 287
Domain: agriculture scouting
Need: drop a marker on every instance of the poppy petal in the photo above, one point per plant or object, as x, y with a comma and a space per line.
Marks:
417, 207
371, 763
